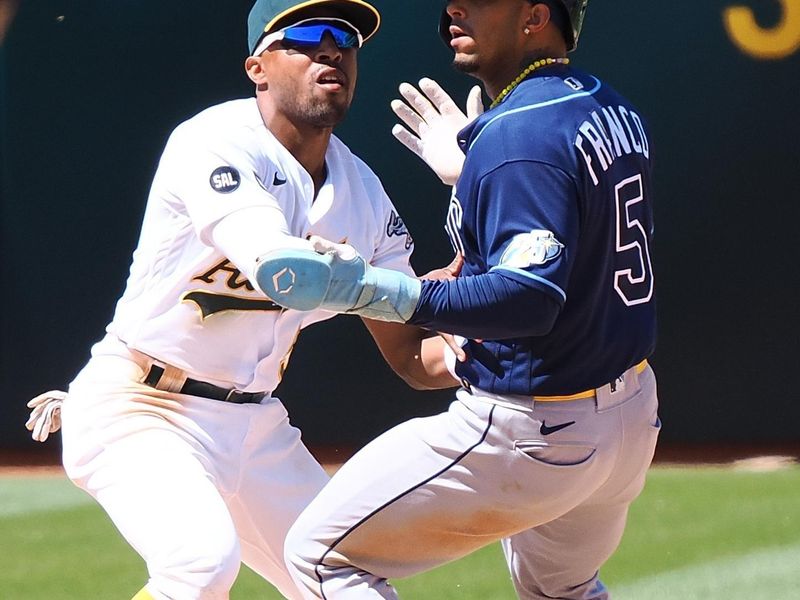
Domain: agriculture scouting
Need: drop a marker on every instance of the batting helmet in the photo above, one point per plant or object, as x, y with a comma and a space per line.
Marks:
574, 9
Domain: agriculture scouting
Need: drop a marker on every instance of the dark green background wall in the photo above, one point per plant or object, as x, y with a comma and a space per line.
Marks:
91, 89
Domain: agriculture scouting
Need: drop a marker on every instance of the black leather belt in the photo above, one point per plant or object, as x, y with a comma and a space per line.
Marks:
192, 387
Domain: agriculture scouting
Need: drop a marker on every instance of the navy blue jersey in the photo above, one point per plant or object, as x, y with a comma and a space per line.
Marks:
555, 198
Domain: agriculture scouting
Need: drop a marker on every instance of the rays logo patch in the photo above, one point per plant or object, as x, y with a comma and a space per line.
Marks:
534, 248
395, 226
225, 179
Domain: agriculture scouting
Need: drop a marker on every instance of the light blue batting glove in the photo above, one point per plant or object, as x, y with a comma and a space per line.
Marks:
338, 281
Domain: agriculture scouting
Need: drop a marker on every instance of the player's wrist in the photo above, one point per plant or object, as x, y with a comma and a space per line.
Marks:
306, 280
388, 295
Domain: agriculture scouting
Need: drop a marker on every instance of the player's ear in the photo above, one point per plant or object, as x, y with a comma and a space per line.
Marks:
254, 67
538, 17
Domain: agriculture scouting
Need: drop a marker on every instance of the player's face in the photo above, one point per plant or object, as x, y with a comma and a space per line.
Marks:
488, 37
312, 85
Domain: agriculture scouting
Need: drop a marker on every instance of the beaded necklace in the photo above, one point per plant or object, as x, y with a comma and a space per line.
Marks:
542, 62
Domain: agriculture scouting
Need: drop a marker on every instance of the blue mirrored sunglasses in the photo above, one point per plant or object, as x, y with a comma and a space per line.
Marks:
309, 34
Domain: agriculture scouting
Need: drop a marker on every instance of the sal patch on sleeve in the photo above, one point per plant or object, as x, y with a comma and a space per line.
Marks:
224, 179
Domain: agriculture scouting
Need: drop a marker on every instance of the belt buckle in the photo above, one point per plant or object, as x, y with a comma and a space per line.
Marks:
240, 397
234, 396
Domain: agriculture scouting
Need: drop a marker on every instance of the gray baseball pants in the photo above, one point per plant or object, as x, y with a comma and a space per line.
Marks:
432, 490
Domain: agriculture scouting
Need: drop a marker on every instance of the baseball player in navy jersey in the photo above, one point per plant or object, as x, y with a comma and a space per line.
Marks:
172, 425
555, 425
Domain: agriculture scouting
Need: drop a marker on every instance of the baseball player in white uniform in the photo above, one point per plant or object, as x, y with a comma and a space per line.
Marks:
171, 426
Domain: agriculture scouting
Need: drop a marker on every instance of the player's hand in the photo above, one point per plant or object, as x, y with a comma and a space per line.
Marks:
323, 246
451, 271
434, 121
45, 415
454, 343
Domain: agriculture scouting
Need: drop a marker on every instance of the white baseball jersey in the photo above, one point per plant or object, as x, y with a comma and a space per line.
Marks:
225, 181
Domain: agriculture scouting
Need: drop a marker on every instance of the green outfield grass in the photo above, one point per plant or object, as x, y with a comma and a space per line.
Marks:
695, 533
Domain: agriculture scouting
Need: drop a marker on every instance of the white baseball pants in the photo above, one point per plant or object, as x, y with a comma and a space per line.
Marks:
194, 485
434, 489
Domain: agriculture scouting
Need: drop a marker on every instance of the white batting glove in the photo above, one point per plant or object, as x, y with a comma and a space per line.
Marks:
46, 414
434, 121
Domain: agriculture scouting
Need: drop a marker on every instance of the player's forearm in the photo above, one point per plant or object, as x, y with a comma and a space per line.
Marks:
428, 369
246, 234
411, 352
488, 306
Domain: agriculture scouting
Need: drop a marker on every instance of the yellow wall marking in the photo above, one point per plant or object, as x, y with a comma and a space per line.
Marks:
758, 42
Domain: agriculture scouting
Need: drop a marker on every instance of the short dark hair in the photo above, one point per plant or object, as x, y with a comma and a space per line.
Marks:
559, 17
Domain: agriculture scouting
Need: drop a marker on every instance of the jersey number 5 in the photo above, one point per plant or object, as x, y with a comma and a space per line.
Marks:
634, 285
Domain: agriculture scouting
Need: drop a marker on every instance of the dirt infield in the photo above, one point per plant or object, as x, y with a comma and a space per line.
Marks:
46, 460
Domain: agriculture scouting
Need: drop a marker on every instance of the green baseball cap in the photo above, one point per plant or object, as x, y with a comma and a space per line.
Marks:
267, 16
